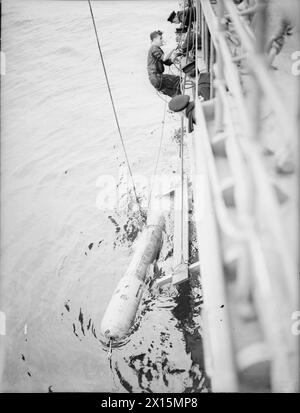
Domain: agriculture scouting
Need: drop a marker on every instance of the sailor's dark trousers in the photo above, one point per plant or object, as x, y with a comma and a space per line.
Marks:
167, 84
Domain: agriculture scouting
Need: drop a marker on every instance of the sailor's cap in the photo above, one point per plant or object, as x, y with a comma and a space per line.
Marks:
172, 16
179, 102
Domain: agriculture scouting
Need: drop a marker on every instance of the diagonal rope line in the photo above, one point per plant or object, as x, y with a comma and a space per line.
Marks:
114, 109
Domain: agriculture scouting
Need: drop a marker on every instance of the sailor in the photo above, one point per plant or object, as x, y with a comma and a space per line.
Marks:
167, 84
204, 85
189, 44
186, 16
180, 34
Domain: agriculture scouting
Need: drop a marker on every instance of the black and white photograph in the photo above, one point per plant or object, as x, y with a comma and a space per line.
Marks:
149, 199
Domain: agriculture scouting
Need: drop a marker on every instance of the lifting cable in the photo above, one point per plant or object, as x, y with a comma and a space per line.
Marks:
163, 123
183, 87
115, 112
113, 384
159, 151
162, 130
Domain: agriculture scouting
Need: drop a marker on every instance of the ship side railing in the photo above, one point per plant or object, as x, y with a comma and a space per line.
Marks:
272, 290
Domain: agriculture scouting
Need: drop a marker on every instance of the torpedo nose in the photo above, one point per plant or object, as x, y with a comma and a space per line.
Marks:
121, 311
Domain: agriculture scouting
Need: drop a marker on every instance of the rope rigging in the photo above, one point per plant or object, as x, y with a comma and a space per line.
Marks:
115, 112
163, 122
159, 150
183, 88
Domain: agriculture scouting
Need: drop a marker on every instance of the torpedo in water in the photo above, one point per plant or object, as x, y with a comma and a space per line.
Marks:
122, 308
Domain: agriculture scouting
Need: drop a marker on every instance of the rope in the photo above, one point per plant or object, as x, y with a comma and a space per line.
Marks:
160, 143
113, 382
162, 132
159, 151
163, 123
160, 95
196, 52
182, 186
183, 88
183, 22
188, 42
114, 110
